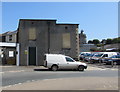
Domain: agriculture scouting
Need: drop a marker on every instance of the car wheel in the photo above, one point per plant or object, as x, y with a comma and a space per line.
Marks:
100, 61
114, 63
107, 63
50, 69
81, 68
54, 68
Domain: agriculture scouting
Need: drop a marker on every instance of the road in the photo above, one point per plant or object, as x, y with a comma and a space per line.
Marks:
92, 78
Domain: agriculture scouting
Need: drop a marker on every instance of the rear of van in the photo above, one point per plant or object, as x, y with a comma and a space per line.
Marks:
53, 59
45, 61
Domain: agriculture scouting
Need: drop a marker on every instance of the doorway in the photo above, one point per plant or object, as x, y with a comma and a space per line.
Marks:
32, 55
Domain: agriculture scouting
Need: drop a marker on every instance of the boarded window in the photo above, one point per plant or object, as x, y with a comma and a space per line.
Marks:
32, 34
66, 40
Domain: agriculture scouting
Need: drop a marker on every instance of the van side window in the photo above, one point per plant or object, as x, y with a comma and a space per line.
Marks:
105, 55
69, 59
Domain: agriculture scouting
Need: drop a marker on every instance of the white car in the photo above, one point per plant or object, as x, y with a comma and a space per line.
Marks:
59, 61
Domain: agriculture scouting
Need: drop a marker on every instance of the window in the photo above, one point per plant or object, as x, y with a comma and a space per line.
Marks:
118, 56
69, 59
32, 34
113, 57
10, 37
66, 40
98, 55
105, 55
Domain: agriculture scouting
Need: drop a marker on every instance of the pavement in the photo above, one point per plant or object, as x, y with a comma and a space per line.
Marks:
79, 83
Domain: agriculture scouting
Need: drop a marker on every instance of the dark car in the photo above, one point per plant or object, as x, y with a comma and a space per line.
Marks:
88, 57
83, 55
95, 58
114, 59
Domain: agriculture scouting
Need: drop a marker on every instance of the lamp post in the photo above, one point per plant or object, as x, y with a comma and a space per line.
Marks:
103, 43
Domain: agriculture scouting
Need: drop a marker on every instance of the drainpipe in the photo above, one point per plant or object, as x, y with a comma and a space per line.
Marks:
17, 54
48, 37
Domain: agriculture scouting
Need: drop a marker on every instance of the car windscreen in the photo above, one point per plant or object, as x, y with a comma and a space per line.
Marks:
91, 55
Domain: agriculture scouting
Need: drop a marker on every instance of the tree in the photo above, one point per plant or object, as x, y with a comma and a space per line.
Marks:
103, 41
90, 42
96, 41
116, 40
109, 41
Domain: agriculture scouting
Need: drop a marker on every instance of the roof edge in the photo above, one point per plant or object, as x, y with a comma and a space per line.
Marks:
37, 20
66, 24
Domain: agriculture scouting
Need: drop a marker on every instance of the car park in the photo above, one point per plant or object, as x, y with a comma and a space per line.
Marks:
59, 61
99, 57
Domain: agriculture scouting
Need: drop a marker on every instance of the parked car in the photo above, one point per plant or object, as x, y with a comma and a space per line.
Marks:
114, 59
88, 57
59, 61
95, 58
83, 55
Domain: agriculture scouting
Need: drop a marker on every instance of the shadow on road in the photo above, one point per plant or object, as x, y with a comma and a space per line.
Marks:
51, 70
41, 70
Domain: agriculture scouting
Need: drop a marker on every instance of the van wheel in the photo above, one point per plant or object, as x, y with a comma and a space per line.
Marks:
54, 68
81, 68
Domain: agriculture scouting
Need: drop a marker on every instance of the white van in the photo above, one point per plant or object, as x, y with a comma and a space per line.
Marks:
59, 61
108, 54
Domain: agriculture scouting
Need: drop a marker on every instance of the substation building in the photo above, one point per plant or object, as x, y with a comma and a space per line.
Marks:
39, 37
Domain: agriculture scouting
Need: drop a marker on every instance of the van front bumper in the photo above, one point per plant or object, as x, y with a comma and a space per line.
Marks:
85, 67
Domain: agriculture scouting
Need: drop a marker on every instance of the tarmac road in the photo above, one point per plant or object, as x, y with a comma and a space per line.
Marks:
27, 77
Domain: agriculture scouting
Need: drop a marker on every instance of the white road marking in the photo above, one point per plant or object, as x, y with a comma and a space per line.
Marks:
12, 71
1, 72
11, 85
5, 66
16, 71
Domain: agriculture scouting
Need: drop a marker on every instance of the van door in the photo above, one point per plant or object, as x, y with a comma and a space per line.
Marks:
70, 63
